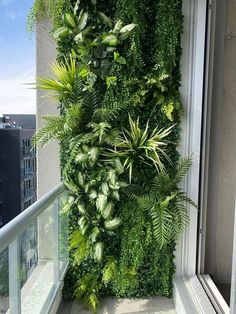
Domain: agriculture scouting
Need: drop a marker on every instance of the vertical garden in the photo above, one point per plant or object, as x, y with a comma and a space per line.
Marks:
116, 80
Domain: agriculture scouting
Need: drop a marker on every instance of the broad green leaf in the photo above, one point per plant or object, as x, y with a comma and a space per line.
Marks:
69, 19
83, 224
105, 188
115, 187
118, 58
123, 184
81, 179
108, 211
95, 233
117, 27
81, 208
83, 18
101, 202
112, 178
106, 20
110, 40
80, 158
71, 186
76, 7
83, 72
78, 37
119, 166
61, 32
111, 81
111, 49
128, 28
93, 194
115, 194
67, 206
91, 78
113, 224
98, 251
94, 154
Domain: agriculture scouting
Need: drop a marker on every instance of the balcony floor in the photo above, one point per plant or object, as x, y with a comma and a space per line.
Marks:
156, 305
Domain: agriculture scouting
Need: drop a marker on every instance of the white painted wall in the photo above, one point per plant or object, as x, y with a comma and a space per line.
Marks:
48, 157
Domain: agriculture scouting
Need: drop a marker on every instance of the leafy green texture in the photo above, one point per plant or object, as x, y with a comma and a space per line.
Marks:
117, 79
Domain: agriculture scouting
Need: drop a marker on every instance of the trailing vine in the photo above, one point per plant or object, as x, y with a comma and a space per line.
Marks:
117, 81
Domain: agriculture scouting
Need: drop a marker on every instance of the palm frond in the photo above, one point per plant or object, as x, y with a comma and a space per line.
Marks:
100, 130
52, 129
184, 199
162, 224
110, 112
182, 169
113, 137
62, 86
180, 219
133, 191
147, 202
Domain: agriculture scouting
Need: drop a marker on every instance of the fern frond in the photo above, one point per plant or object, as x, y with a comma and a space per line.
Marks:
113, 137
111, 112
53, 129
86, 291
81, 246
93, 302
100, 129
133, 191
147, 202
180, 219
109, 271
184, 199
182, 169
162, 224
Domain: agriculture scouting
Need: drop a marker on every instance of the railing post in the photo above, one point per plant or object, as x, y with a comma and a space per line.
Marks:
233, 278
14, 277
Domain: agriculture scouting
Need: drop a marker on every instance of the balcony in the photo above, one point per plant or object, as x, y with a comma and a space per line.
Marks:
39, 291
28, 285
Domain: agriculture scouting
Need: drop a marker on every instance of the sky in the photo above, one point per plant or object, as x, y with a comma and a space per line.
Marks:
17, 58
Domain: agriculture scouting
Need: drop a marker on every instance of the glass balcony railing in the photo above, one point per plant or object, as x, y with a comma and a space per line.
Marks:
34, 256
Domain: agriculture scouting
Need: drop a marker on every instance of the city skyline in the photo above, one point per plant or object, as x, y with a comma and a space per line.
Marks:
17, 59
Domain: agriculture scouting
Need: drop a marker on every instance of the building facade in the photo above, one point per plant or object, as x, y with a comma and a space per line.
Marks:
25, 121
17, 172
18, 188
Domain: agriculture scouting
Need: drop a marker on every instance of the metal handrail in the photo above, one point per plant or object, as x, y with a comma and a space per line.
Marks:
16, 226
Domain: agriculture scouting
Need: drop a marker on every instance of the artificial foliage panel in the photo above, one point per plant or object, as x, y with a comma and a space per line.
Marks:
117, 80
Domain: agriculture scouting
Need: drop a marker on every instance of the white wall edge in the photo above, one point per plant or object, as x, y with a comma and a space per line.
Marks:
189, 295
192, 69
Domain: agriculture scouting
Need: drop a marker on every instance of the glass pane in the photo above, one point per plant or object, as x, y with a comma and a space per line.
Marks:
63, 234
28, 247
39, 262
4, 282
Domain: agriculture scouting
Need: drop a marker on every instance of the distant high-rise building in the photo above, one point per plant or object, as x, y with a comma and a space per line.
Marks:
17, 172
18, 187
25, 121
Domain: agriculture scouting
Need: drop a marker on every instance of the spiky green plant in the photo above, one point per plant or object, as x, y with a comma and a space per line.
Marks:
62, 86
145, 146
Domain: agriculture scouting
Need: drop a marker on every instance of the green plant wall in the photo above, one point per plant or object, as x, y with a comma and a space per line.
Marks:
117, 81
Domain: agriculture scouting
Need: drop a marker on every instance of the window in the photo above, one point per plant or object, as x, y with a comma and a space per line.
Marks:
27, 203
26, 146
